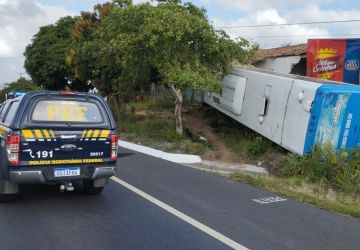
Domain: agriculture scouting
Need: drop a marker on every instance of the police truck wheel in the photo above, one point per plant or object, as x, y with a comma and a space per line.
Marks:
90, 189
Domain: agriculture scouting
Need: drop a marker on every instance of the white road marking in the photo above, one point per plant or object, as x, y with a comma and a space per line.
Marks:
268, 200
227, 241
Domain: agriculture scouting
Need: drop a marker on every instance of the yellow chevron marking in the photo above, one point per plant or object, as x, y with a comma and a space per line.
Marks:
104, 133
83, 134
38, 133
96, 133
52, 133
46, 134
89, 133
2, 130
27, 134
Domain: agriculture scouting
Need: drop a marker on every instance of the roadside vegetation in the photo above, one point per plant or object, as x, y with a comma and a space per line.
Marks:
151, 123
324, 177
337, 170
300, 188
240, 140
206, 132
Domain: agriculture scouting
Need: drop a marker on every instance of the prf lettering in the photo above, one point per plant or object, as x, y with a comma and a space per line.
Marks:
66, 112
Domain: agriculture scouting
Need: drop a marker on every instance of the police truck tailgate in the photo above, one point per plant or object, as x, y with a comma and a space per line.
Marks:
65, 130
48, 146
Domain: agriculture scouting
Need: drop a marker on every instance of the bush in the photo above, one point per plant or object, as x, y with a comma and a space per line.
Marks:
248, 145
169, 134
348, 174
257, 147
340, 170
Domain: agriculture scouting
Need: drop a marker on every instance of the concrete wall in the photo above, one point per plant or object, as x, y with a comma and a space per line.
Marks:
280, 64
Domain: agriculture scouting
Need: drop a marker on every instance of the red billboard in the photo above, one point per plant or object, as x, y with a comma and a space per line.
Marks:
334, 59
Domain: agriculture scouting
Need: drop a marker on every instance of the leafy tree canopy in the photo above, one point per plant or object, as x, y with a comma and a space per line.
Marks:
83, 57
46, 56
21, 85
121, 47
174, 40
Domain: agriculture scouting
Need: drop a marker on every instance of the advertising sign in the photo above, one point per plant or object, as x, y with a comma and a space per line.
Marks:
334, 59
335, 119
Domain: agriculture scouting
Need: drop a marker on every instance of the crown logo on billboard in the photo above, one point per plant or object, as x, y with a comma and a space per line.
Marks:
327, 75
325, 53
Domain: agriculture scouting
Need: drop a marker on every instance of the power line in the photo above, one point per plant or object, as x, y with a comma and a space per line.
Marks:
21, 73
288, 24
303, 35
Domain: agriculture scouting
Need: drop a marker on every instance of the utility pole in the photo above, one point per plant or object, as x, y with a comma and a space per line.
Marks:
20, 74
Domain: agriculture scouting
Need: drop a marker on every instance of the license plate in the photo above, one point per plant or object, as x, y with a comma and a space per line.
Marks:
66, 172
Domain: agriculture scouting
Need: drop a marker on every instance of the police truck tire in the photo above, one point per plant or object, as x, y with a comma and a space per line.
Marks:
90, 189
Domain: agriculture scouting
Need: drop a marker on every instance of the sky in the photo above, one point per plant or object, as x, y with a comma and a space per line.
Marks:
20, 20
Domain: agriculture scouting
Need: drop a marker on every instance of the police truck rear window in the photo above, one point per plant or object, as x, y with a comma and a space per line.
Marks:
66, 111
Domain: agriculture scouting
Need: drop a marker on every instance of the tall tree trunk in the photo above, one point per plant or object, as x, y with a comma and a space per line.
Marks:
117, 103
178, 106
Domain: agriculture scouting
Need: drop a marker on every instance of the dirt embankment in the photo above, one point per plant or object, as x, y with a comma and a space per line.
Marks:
219, 152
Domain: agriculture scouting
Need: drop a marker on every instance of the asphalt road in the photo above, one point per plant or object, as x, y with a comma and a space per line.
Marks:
43, 218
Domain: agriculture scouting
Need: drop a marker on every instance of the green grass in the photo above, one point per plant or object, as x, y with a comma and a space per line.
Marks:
152, 123
153, 104
318, 193
325, 177
340, 170
149, 127
240, 139
248, 145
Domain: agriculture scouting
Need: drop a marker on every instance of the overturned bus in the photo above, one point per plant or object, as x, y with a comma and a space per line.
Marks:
293, 111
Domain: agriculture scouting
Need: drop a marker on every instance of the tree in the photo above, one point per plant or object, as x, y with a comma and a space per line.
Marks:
173, 40
81, 57
92, 60
45, 57
121, 47
21, 85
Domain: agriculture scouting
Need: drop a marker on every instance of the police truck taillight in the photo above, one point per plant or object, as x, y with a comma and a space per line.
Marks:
114, 147
13, 149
